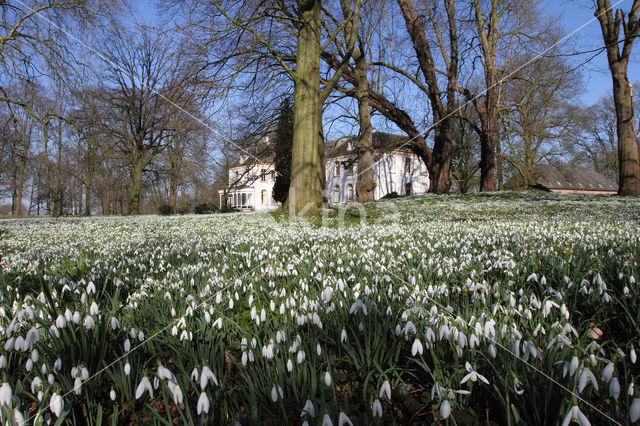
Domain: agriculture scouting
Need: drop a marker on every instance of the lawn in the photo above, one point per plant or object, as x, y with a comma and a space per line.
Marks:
502, 309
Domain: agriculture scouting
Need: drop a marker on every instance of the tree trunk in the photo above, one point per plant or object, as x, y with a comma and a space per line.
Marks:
366, 184
16, 202
305, 191
87, 197
135, 176
629, 167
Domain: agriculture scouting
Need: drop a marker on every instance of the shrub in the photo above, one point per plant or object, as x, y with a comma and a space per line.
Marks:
165, 210
205, 208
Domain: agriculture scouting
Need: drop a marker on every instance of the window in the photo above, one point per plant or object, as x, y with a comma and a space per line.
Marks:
407, 188
408, 169
244, 200
336, 194
336, 169
349, 168
264, 197
350, 192
263, 175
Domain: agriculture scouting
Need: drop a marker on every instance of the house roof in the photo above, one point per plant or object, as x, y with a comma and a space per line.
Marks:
262, 154
566, 177
382, 142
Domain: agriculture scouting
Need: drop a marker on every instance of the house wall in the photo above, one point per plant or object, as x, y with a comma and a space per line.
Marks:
251, 185
389, 174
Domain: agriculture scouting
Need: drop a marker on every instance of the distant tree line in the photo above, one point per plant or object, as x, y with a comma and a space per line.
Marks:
105, 118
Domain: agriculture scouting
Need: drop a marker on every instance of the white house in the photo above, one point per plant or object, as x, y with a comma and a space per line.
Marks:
395, 169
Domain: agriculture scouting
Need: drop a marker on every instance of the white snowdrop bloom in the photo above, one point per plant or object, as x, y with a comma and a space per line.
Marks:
473, 375
35, 355
89, 322
68, 314
36, 385
3, 361
632, 356
115, 324
176, 392
308, 409
165, 373
385, 390
140, 336
112, 395
416, 348
203, 404
289, 365
301, 356
607, 372
577, 416
51, 379
127, 369
376, 408
318, 349
518, 386
327, 378
586, 375
76, 317
184, 335
573, 366
326, 420
61, 321
614, 388
445, 409
91, 288
5, 394
205, 376
127, 345
344, 419
56, 404
93, 309
343, 336
492, 350
57, 364
634, 410
77, 385
29, 365
174, 330
218, 323
145, 384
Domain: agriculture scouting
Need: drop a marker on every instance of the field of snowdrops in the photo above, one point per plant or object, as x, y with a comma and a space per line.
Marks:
493, 309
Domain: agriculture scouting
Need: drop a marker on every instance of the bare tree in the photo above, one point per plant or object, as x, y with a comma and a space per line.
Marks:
618, 54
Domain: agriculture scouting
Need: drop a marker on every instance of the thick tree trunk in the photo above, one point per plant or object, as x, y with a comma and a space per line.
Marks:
439, 180
366, 184
87, 197
305, 191
135, 176
173, 189
16, 202
629, 167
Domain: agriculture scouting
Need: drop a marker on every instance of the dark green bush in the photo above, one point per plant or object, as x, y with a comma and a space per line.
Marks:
165, 210
205, 208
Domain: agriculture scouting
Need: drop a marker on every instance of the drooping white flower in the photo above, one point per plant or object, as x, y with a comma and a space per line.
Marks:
127, 369
308, 409
614, 388
205, 376
5, 394
577, 416
473, 375
3, 361
344, 419
385, 389
416, 348
518, 387
89, 322
607, 373
634, 410
586, 375
176, 392
56, 404
203, 404
327, 378
112, 395
343, 336
376, 408
93, 309
145, 384
165, 373
326, 420
445, 409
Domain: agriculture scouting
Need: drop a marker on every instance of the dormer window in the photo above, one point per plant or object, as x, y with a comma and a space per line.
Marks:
263, 175
336, 169
408, 166
349, 168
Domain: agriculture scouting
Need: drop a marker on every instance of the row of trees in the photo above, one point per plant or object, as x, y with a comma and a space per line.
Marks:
93, 121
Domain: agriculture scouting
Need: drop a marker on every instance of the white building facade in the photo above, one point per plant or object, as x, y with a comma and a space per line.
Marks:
397, 171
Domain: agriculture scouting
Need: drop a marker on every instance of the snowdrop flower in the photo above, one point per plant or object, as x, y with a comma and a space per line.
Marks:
318, 349
517, 386
112, 395
275, 391
89, 322
632, 356
3, 361
5, 394
36, 385
56, 404
607, 373
634, 410
473, 375
577, 416
445, 409
57, 365
416, 348
176, 392
343, 336
203, 404
326, 420
144, 384
205, 376
165, 373
61, 321
376, 409
91, 288
614, 388
289, 365
308, 409
343, 418
385, 389
586, 375
114, 323
93, 309
327, 378
127, 369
